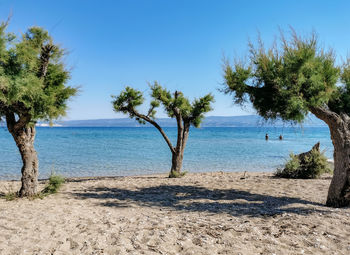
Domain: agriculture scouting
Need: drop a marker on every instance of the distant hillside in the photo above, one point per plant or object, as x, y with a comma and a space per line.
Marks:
212, 121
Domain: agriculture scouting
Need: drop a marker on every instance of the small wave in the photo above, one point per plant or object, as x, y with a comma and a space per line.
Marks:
275, 156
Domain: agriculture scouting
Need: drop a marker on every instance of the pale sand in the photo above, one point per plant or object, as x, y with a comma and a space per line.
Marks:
209, 213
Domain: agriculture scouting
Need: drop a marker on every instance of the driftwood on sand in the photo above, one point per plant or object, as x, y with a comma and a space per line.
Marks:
303, 156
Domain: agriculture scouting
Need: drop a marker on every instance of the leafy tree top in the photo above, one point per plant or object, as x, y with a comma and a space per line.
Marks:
289, 80
175, 104
33, 76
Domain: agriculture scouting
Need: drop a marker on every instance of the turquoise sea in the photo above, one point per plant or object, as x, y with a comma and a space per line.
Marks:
132, 151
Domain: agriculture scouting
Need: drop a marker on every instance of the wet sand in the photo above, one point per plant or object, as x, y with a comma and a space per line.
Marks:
204, 213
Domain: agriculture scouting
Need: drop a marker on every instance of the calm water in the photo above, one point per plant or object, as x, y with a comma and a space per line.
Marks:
130, 151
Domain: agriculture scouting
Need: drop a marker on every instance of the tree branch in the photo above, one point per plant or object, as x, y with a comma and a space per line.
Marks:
45, 59
22, 122
13, 125
10, 121
185, 133
325, 114
180, 127
155, 124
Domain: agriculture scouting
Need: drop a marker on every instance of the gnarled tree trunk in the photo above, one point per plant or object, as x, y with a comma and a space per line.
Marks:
339, 190
178, 154
24, 136
339, 126
176, 164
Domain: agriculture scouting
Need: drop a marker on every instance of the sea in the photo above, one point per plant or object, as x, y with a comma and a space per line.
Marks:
125, 151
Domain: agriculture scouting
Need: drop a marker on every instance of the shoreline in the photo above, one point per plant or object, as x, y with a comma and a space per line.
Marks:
98, 177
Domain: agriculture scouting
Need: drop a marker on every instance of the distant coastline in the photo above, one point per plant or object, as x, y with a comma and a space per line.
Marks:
211, 121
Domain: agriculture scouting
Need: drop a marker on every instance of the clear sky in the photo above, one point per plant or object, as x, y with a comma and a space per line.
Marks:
179, 43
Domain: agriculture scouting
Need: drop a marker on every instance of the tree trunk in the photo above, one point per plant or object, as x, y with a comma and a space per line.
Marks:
176, 164
24, 139
339, 127
178, 155
339, 190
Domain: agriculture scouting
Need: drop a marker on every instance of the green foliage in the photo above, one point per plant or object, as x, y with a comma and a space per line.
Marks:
33, 76
235, 78
10, 196
286, 81
55, 182
340, 101
291, 168
10, 193
311, 167
173, 103
127, 101
199, 107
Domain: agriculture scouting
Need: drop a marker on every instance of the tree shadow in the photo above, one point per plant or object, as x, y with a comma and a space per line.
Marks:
200, 199
99, 178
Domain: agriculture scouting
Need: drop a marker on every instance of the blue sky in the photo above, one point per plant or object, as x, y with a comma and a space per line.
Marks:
178, 43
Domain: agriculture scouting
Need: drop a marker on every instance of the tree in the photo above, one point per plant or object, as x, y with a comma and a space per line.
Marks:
176, 106
32, 88
291, 80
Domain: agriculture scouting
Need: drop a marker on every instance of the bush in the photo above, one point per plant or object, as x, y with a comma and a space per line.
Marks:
55, 182
310, 166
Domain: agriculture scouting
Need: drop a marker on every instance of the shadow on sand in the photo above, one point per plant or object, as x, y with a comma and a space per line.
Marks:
200, 199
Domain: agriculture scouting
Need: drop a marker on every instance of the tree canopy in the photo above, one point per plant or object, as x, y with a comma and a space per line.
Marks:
33, 76
289, 80
174, 104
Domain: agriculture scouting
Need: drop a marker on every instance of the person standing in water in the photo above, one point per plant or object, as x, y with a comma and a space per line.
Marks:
266, 137
281, 137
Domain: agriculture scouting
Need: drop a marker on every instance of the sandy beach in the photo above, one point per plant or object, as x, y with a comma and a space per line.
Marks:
202, 213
